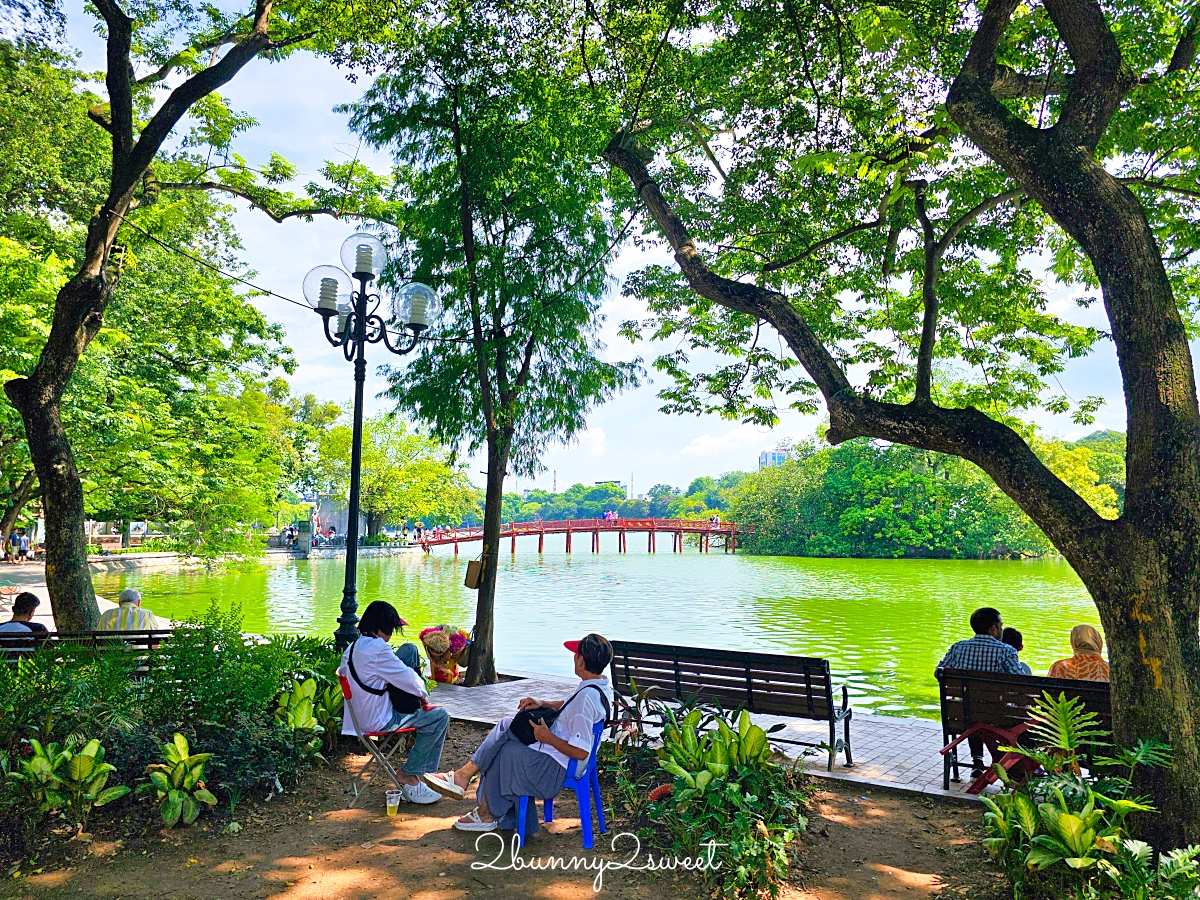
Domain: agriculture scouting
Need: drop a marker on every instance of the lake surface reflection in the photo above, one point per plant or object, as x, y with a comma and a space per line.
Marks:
884, 624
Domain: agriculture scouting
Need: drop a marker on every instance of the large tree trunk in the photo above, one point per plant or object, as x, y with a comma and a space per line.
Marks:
1145, 578
38, 398
483, 659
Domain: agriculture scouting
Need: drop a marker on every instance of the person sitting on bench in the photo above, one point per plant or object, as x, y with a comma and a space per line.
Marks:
510, 768
1087, 664
371, 667
985, 652
21, 623
1016, 640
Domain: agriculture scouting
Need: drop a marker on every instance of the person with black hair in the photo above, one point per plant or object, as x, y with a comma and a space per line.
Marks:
512, 764
374, 671
22, 622
985, 652
1014, 639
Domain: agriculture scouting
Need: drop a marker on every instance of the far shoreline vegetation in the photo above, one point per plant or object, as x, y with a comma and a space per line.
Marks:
862, 499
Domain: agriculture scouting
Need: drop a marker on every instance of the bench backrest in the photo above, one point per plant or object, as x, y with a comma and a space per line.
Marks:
760, 682
13, 646
1004, 700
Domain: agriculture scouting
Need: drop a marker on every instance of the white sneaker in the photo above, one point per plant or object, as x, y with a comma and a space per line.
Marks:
419, 793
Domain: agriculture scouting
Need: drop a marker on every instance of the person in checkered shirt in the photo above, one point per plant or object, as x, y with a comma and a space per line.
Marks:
985, 652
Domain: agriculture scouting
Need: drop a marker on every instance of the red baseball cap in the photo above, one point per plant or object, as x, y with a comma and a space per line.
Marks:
573, 646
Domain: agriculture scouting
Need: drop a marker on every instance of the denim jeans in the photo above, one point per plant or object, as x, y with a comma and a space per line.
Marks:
426, 753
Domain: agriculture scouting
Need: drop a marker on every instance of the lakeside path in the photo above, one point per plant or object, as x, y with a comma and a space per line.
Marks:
31, 577
889, 751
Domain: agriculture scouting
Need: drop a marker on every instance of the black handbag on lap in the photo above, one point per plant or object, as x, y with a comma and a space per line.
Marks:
522, 723
402, 701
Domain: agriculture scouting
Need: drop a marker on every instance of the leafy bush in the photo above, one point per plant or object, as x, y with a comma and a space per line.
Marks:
211, 684
724, 789
57, 778
178, 783
1062, 833
209, 668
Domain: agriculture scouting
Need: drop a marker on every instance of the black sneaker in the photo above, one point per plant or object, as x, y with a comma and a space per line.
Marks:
977, 769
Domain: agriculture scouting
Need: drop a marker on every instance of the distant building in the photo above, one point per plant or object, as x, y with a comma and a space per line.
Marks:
769, 458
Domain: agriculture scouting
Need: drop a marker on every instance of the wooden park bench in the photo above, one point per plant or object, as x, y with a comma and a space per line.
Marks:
143, 643
796, 686
998, 705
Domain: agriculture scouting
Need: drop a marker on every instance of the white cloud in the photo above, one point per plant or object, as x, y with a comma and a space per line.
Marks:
739, 437
592, 441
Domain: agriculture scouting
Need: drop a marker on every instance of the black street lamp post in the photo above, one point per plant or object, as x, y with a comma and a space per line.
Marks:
330, 291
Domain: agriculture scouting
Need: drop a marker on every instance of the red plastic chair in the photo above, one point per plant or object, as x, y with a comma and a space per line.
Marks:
380, 745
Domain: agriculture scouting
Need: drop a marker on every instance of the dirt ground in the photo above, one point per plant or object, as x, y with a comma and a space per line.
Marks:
309, 846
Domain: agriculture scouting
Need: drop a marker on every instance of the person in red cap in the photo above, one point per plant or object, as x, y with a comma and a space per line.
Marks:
509, 768
371, 665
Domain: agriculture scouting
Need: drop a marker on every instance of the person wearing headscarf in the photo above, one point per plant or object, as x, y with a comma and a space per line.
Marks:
1087, 664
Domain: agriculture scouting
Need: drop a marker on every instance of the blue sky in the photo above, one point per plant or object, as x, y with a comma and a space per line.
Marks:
628, 438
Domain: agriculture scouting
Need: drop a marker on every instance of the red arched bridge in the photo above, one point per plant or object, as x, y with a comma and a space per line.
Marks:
725, 532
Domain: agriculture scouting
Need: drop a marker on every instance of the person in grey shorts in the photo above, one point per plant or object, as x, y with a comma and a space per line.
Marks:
509, 769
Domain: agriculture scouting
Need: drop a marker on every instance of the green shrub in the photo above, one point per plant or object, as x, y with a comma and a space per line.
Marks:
178, 783
55, 779
1062, 833
724, 789
209, 670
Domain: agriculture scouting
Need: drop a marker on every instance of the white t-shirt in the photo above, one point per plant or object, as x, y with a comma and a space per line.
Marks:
15, 628
377, 665
575, 722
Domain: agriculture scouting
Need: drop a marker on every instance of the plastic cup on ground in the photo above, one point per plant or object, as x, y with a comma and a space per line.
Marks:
393, 802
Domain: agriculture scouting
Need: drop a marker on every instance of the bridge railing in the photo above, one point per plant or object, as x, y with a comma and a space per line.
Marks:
510, 529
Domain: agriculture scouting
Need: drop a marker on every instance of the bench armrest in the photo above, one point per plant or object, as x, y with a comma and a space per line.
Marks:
845, 712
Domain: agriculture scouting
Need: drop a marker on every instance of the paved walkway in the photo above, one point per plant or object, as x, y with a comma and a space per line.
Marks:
889, 751
31, 577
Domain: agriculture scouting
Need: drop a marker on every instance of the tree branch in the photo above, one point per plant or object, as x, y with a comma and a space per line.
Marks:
277, 216
197, 86
1184, 56
929, 298
1160, 186
824, 242
1066, 518
117, 81
1102, 79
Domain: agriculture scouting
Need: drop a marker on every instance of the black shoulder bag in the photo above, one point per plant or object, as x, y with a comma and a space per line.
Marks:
522, 723
402, 701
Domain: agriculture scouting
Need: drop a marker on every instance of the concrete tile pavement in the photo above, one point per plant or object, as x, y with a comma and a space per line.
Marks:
889, 751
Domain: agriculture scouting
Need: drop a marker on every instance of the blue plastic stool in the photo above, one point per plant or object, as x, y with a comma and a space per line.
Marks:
587, 790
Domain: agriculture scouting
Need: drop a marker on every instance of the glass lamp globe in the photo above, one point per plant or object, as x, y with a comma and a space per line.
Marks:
364, 255
326, 287
417, 306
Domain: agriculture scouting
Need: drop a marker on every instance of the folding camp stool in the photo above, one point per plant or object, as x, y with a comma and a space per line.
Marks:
380, 745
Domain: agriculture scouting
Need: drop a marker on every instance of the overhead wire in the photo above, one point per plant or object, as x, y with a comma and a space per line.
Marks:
557, 297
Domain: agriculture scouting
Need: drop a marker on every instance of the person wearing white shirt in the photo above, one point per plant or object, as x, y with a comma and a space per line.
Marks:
22, 622
128, 615
371, 665
509, 769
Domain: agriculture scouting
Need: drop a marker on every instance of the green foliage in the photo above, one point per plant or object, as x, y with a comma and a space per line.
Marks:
866, 498
1064, 834
209, 670
177, 783
522, 261
65, 779
727, 789
297, 710
407, 476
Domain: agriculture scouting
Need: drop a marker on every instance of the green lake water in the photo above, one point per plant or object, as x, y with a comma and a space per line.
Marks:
884, 624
